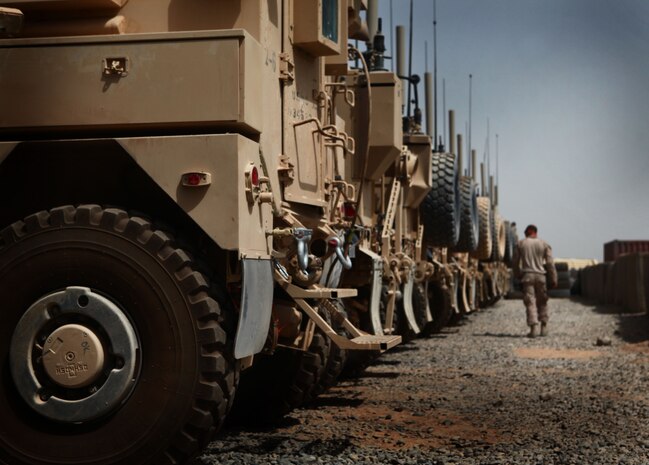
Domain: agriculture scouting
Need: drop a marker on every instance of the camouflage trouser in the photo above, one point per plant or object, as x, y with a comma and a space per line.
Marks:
535, 296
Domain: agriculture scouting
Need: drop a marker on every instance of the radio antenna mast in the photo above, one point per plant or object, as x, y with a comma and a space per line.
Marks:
391, 39
410, 62
470, 103
443, 106
435, 68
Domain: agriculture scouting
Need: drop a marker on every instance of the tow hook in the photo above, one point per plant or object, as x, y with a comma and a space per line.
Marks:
336, 243
303, 236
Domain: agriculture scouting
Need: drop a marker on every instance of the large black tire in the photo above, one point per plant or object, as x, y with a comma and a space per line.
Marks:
485, 241
440, 210
186, 375
469, 221
277, 384
335, 361
335, 365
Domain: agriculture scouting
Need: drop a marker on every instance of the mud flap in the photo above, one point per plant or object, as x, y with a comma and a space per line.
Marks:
256, 307
454, 290
407, 302
331, 272
429, 314
375, 297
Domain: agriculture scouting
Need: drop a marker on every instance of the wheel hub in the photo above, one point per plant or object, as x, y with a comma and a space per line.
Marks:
74, 356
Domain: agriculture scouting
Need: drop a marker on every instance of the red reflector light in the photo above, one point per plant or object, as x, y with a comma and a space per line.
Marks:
254, 176
349, 210
334, 242
196, 178
193, 179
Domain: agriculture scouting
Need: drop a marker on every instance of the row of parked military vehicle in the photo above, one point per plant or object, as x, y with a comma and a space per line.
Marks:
216, 209
424, 247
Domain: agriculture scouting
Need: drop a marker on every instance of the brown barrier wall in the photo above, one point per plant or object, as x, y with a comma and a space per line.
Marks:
624, 282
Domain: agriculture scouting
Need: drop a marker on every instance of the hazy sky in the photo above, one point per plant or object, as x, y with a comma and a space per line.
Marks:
565, 85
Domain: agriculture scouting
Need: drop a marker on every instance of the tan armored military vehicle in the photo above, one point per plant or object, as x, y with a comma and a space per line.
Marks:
174, 203
201, 198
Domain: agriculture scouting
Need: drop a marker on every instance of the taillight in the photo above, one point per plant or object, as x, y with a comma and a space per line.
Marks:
196, 179
254, 176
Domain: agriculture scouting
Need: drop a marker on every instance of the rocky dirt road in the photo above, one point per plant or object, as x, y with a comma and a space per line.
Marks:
480, 393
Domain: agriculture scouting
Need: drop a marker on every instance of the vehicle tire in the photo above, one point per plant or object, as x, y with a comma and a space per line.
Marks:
277, 384
168, 376
439, 299
335, 361
469, 221
440, 210
485, 242
335, 364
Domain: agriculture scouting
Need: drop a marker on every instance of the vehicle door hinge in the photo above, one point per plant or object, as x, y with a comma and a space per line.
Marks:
286, 68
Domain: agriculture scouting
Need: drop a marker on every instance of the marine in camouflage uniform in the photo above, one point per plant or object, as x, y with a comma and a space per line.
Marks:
533, 265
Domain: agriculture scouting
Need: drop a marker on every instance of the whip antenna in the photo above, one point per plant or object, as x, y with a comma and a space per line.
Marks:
435, 67
410, 61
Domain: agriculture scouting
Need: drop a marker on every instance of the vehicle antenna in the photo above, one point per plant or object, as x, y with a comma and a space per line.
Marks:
488, 150
435, 67
410, 61
428, 89
470, 108
443, 107
391, 39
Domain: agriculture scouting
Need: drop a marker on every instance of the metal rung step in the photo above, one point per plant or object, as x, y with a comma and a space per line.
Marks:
369, 342
320, 293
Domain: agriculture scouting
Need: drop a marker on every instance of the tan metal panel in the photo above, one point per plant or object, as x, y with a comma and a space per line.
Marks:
170, 80
220, 209
386, 131
303, 144
421, 177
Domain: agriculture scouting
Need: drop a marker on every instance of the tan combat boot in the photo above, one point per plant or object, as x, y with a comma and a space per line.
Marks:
544, 329
533, 330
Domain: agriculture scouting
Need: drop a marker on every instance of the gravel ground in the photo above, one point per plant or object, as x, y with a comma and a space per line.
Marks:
480, 393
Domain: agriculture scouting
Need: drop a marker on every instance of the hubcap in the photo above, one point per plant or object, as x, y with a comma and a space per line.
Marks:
74, 356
